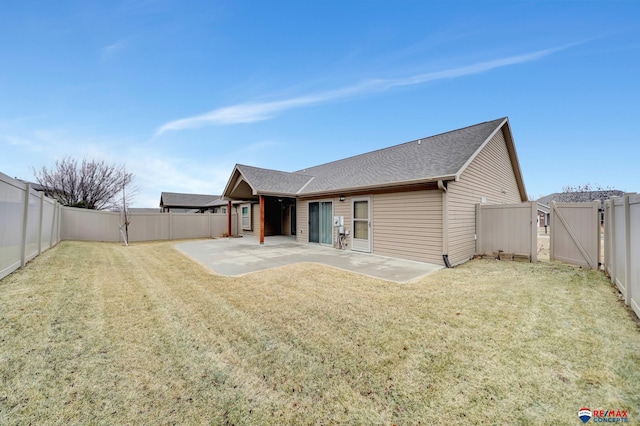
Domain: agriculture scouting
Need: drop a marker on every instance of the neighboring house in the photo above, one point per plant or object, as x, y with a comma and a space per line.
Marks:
143, 210
543, 215
580, 197
187, 203
48, 192
413, 201
217, 206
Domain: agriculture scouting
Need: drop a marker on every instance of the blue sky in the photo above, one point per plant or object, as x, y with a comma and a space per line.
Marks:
180, 91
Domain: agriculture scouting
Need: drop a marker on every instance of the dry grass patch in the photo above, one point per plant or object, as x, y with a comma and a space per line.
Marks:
100, 333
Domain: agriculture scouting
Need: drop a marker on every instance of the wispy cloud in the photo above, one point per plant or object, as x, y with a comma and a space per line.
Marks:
259, 111
110, 51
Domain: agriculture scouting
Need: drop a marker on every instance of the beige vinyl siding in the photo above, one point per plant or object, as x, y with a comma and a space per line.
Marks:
343, 208
302, 211
408, 225
490, 175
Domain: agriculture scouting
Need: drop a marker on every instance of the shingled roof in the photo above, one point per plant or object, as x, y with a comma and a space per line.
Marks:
181, 200
431, 158
580, 196
441, 157
273, 181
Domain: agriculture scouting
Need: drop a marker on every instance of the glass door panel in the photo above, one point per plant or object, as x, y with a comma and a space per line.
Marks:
361, 240
314, 222
326, 222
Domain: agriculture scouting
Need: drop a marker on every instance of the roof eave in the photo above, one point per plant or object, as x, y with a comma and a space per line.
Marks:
377, 186
511, 147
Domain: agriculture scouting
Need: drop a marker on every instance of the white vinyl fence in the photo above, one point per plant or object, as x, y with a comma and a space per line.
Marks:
29, 224
575, 233
92, 225
507, 228
622, 246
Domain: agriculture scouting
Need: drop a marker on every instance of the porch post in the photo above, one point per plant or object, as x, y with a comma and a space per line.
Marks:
262, 219
229, 219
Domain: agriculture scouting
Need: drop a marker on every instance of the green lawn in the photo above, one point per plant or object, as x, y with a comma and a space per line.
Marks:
104, 334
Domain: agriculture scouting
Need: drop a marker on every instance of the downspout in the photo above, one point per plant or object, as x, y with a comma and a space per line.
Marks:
442, 185
229, 231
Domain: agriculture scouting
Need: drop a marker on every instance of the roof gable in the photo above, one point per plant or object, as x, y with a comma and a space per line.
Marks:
273, 181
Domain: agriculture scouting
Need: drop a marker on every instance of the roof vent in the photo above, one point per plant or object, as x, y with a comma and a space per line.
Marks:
419, 141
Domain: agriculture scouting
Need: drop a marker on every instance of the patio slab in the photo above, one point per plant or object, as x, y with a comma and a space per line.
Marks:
239, 256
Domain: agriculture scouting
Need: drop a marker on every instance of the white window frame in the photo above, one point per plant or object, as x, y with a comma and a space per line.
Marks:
248, 225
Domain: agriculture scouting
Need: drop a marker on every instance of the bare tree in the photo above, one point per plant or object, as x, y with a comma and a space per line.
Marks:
91, 184
585, 193
125, 218
585, 188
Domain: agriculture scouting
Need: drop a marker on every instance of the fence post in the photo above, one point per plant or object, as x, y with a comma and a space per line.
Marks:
534, 231
605, 248
170, 225
612, 229
478, 229
53, 225
596, 208
553, 220
627, 249
25, 216
59, 223
40, 223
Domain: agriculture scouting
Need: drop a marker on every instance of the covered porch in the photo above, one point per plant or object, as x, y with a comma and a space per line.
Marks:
265, 216
259, 213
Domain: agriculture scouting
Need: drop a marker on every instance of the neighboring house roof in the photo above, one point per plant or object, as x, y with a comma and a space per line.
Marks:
180, 200
440, 157
143, 210
543, 208
580, 197
37, 187
34, 185
217, 202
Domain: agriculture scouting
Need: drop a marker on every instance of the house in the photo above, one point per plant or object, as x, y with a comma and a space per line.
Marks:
188, 203
143, 210
48, 192
412, 201
544, 215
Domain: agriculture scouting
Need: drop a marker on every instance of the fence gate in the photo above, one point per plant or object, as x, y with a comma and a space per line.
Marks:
575, 233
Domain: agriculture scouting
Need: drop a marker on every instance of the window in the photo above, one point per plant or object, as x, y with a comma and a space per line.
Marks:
246, 216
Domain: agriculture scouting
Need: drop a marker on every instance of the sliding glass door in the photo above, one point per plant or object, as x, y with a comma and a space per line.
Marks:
321, 222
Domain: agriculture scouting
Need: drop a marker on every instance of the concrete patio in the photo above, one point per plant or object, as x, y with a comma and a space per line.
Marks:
238, 256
